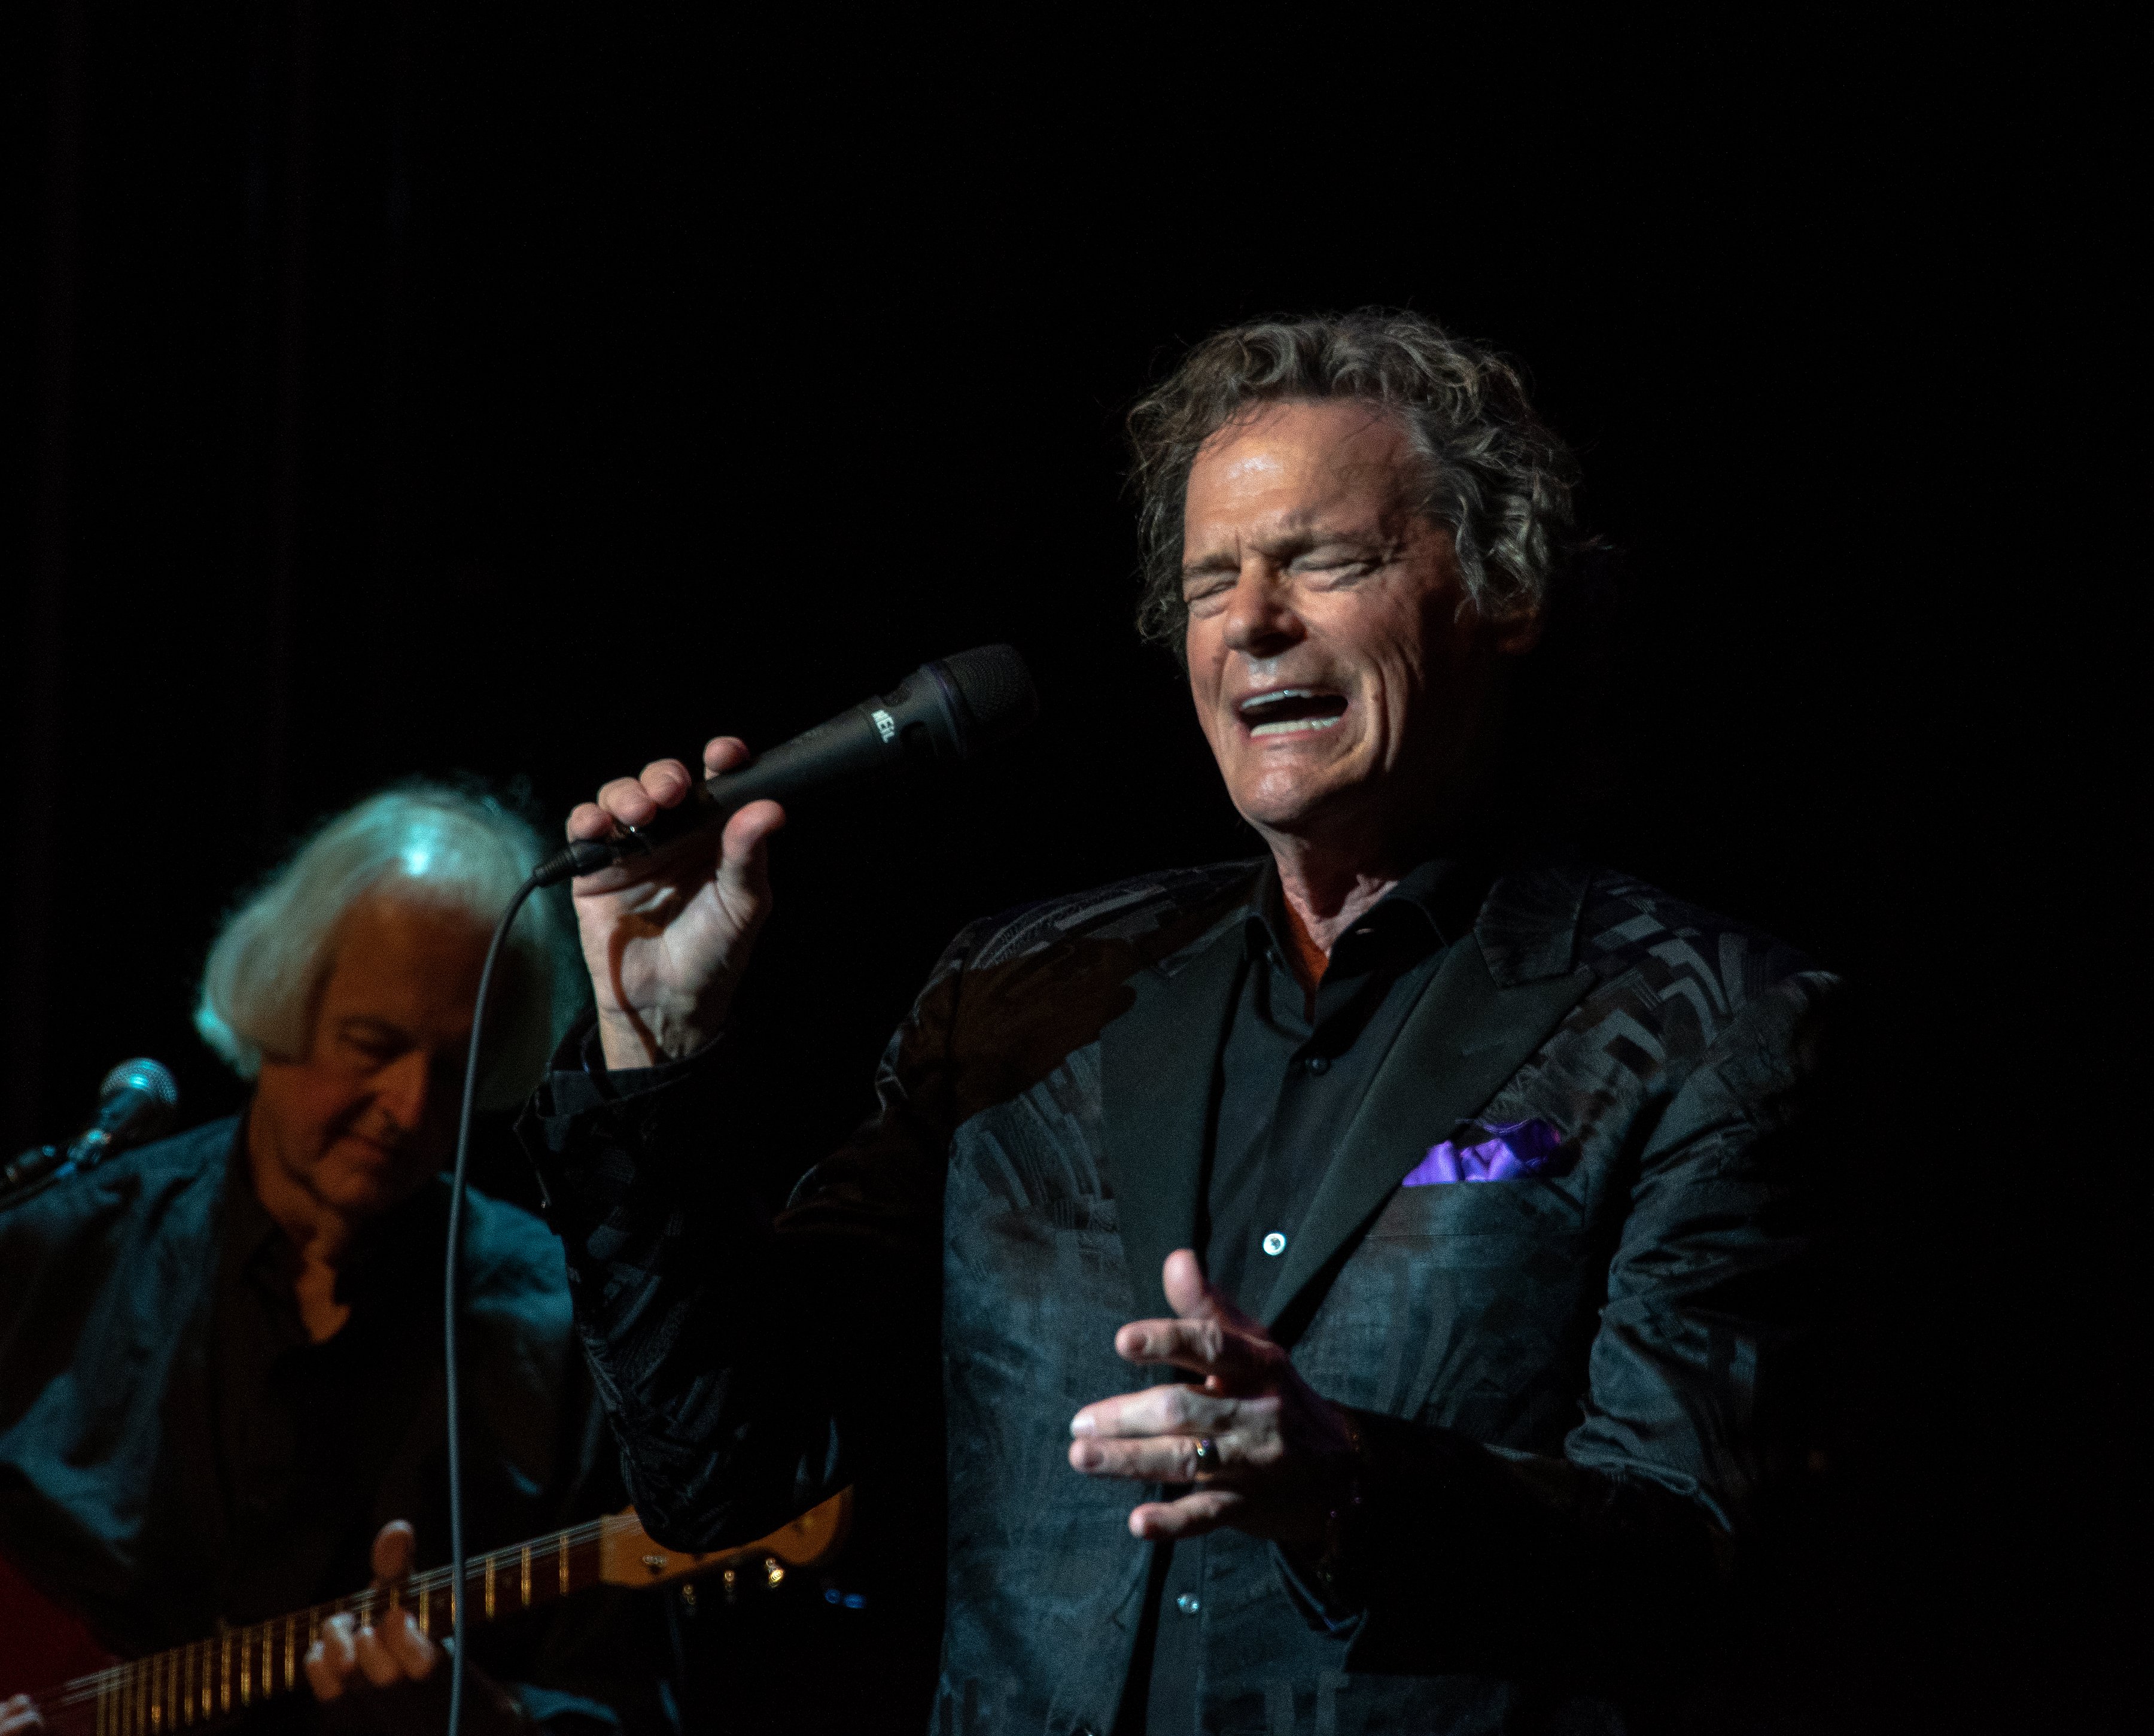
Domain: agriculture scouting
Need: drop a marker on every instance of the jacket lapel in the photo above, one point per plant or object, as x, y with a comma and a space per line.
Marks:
1479, 1019
1155, 1069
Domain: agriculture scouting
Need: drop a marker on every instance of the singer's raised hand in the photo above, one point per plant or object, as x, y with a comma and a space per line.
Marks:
667, 938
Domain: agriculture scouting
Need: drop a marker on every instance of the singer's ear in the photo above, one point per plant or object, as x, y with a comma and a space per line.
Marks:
1515, 635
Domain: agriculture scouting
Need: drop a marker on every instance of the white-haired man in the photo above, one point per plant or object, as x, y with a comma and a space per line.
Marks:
221, 1386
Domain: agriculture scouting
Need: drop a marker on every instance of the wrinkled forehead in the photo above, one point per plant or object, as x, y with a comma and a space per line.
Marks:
1291, 462
406, 950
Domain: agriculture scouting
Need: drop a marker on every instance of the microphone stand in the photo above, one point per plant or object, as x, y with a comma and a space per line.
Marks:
54, 1163
29, 1168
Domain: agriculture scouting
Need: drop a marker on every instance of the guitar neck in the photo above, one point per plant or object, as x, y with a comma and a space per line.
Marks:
214, 1678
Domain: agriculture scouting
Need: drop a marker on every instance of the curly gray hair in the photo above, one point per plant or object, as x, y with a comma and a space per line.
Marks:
424, 840
1498, 475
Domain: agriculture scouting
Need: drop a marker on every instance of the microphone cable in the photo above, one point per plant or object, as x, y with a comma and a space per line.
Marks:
458, 1565
948, 709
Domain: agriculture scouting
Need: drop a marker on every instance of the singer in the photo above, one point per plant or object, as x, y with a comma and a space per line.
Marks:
221, 1386
1357, 1282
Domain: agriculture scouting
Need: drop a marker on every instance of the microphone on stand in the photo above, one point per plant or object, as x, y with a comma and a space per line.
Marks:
136, 1103
949, 709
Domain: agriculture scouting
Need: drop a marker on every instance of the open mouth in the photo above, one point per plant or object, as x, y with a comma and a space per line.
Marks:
1288, 710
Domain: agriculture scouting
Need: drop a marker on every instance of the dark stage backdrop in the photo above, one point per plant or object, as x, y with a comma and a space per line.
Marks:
536, 391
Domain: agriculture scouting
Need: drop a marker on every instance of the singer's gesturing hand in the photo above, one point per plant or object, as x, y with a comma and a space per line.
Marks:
1280, 1457
666, 938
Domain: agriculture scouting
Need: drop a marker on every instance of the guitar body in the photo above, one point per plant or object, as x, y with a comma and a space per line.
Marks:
41, 1644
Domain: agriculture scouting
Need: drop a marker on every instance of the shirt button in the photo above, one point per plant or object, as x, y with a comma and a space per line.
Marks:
1188, 1603
1274, 1244
1316, 1063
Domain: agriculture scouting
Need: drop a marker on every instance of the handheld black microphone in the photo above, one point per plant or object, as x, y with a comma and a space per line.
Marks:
135, 1104
949, 709
944, 710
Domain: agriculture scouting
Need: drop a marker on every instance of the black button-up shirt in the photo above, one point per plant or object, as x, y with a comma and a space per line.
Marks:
1292, 1069
302, 1429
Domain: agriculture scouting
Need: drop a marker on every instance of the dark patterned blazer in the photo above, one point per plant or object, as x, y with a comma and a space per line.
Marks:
1565, 1383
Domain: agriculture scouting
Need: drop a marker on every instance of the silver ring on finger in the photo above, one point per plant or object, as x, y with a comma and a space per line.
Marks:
1206, 1457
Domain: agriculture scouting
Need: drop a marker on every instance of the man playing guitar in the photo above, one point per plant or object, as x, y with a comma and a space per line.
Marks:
221, 1383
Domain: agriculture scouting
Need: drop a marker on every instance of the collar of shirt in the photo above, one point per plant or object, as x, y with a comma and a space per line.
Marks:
1434, 903
396, 1255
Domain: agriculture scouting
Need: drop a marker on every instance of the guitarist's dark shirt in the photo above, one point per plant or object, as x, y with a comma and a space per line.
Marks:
175, 1453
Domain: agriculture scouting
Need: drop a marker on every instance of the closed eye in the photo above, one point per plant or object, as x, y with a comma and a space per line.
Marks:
1202, 587
375, 1042
1340, 563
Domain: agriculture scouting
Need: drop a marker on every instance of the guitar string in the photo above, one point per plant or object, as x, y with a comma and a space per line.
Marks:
257, 1642
137, 1672
254, 1641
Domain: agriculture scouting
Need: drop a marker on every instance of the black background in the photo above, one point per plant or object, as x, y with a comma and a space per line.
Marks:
534, 390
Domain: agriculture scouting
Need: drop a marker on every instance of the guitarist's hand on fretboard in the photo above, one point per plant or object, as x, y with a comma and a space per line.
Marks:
388, 1676
372, 1668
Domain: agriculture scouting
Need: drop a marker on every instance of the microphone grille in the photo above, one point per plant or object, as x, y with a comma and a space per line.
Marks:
998, 691
142, 1074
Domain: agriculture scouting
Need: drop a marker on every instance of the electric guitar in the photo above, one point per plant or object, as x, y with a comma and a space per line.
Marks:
199, 1685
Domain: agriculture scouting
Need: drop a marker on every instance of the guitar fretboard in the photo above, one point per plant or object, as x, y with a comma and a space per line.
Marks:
213, 1679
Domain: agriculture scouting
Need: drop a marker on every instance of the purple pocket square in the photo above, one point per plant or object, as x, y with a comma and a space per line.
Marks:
1509, 1150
